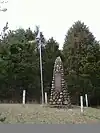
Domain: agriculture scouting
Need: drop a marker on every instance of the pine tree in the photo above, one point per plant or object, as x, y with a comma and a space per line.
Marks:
51, 52
80, 51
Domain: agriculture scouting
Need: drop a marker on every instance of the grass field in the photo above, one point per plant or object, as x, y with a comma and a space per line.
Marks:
36, 114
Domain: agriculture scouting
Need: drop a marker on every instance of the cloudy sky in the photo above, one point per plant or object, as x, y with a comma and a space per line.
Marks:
54, 17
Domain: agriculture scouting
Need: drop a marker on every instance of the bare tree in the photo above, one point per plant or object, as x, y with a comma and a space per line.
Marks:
3, 9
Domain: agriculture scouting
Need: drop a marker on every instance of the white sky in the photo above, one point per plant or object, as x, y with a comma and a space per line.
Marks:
54, 17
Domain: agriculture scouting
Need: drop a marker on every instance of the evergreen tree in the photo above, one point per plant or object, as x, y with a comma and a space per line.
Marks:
51, 52
81, 52
19, 65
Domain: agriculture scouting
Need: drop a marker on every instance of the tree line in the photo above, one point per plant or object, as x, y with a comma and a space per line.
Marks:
20, 70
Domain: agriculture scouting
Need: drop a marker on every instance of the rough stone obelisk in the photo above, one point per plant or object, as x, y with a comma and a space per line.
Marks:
59, 94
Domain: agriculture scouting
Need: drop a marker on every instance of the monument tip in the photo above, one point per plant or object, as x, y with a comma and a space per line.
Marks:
58, 59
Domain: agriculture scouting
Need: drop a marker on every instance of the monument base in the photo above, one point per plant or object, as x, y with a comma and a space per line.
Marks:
59, 106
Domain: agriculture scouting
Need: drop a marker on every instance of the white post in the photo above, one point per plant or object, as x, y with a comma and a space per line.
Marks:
46, 98
24, 91
86, 100
81, 100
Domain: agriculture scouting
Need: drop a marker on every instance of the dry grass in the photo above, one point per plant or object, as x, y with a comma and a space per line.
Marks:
36, 114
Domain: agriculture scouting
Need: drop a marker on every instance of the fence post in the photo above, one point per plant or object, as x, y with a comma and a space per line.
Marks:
86, 100
46, 98
24, 92
81, 101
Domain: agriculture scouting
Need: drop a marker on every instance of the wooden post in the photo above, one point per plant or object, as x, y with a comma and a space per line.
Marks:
24, 92
86, 100
81, 101
46, 98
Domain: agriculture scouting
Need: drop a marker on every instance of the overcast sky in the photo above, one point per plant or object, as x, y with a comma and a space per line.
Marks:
54, 17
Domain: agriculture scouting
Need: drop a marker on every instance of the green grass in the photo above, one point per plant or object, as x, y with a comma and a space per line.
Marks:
36, 114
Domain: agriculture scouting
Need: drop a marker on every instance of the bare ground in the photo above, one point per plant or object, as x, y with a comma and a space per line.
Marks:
36, 114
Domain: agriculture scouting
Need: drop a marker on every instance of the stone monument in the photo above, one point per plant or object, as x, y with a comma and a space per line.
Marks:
59, 94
